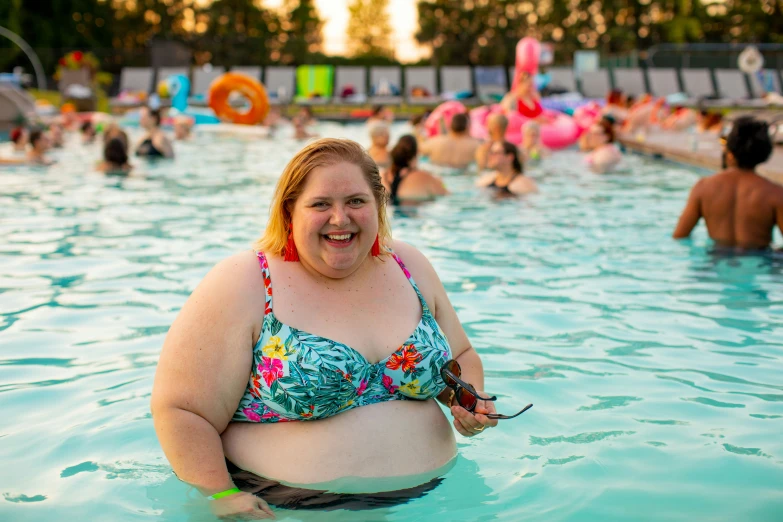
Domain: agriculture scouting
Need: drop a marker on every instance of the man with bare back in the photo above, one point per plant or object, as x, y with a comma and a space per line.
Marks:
740, 207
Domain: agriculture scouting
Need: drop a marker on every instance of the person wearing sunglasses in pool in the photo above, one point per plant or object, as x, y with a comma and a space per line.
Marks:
315, 356
740, 207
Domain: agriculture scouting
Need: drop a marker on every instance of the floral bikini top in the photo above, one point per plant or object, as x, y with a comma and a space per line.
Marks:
300, 376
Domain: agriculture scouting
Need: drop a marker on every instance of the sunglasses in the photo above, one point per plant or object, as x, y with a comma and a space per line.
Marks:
466, 395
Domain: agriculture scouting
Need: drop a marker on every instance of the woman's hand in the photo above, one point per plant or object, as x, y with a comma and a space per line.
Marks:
470, 424
241, 506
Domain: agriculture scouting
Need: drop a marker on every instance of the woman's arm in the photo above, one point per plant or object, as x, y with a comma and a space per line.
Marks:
462, 351
203, 370
163, 144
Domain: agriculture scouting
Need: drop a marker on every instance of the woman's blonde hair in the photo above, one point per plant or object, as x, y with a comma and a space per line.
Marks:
320, 153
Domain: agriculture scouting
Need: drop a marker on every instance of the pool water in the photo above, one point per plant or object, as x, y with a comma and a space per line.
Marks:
655, 367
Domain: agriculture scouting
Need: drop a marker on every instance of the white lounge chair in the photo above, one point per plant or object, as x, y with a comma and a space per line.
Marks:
630, 81
697, 84
133, 80
385, 85
562, 78
354, 78
455, 82
163, 73
733, 89
423, 78
663, 82
252, 71
202, 79
768, 83
280, 83
491, 83
595, 84
136, 79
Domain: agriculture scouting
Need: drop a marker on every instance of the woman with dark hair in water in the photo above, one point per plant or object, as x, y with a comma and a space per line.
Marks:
507, 176
115, 156
605, 156
404, 181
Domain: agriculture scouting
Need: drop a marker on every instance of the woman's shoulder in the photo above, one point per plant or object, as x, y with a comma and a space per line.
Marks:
237, 276
416, 262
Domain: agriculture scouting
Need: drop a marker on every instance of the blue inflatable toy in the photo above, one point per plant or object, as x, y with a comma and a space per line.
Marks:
178, 87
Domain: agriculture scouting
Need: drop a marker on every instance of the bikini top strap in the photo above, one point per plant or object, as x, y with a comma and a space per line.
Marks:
424, 307
267, 278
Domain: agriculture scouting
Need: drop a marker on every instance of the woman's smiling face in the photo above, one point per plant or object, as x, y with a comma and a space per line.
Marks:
335, 220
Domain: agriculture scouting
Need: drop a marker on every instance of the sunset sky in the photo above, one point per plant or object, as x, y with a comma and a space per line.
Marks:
402, 14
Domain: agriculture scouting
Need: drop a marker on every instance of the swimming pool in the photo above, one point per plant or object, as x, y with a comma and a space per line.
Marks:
655, 367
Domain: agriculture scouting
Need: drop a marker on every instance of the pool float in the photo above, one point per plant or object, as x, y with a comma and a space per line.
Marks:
443, 113
223, 86
178, 87
557, 132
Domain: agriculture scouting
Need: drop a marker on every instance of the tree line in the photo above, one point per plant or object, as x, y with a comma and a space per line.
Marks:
459, 32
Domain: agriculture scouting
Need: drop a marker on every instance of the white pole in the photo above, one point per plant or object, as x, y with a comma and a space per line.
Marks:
40, 76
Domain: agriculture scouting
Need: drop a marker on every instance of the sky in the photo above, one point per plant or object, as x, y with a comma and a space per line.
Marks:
402, 15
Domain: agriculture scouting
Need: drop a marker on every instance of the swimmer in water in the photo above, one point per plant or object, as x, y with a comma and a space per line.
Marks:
507, 177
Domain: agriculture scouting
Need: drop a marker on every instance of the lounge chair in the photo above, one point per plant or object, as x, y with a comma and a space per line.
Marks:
314, 84
595, 84
164, 73
562, 80
630, 81
733, 89
202, 79
663, 82
133, 81
280, 82
385, 85
248, 70
766, 81
350, 85
491, 83
455, 84
421, 80
697, 84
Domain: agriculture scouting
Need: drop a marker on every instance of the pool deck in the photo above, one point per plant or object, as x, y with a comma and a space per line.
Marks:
701, 150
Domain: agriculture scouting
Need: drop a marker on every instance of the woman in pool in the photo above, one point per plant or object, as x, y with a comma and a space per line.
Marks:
115, 157
531, 147
605, 155
154, 144
507, 177
240, 376
524, 99
404, 181
379, 149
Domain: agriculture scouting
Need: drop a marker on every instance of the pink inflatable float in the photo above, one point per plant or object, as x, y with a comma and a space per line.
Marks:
557, 129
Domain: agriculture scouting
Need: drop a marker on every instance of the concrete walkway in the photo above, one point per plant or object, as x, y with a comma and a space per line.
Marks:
701, 150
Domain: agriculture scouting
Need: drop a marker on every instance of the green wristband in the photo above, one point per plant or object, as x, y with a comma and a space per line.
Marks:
224, 493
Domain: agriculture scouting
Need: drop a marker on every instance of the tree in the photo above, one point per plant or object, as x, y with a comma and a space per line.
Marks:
301, 31
369, 31
238, 32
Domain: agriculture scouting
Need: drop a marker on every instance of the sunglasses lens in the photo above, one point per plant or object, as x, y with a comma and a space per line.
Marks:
452, 367
466, 399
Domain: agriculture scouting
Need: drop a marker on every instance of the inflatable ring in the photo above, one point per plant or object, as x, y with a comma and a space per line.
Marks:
223, 86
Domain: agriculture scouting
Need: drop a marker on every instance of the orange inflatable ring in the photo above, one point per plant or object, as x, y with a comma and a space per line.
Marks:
223, 86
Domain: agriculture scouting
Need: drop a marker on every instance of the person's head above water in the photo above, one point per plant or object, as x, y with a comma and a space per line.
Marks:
331, 186
459, 123
403, 153
150, 118
749, 142
379, 134
18, 135
115, 152
39, 141
503, 156
496, 126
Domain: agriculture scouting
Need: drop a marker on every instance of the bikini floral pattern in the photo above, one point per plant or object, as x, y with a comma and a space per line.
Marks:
300, 376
